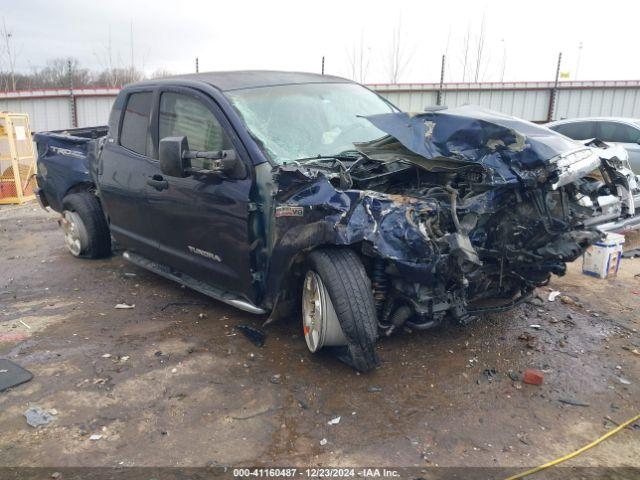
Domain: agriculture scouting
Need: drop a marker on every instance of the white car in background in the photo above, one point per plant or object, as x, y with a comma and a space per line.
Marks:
614, 130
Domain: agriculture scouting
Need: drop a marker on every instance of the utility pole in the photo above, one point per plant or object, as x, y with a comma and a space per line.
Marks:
554, 91
439, 98
72, 99
322, 70
197, 66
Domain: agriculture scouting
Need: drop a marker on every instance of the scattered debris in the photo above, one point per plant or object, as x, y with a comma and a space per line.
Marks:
535, 326
182, 304
12, 374
374, 389
130, 274
95, 436
532, 340
25, 324
124, 306
513, 376
106, 355
256, 336
334, 421
490, 374
568, 300
631, 253
533, 376
575, 403
275, 379
624, 381
37, 416
553, 294
323, 442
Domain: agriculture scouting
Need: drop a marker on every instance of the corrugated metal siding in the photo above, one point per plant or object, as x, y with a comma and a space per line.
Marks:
528, 100
93, 110
584, 102
44, 113
50, 109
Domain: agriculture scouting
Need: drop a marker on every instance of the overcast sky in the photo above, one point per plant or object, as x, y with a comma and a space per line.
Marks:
525, 36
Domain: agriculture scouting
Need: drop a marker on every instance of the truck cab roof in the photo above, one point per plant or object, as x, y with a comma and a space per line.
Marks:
243, 79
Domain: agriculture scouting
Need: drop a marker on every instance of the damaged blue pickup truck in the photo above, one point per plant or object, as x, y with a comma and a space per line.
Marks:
311, 197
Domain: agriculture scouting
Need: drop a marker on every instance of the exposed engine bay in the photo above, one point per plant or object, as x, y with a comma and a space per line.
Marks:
463, 211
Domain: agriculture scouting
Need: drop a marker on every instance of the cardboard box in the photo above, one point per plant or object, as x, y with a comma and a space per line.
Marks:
602, 259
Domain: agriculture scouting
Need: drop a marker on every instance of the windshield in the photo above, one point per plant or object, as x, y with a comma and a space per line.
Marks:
295, 122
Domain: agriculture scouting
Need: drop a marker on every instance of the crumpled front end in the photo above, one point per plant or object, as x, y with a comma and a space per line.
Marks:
455, 213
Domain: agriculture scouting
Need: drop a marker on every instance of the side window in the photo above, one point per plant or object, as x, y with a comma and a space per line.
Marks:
134, 133
577, 130
182, 115
618, 132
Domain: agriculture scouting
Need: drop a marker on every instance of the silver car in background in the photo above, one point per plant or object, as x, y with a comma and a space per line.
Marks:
614, 130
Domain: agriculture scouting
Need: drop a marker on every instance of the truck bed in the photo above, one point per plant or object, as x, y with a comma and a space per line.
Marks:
65, 160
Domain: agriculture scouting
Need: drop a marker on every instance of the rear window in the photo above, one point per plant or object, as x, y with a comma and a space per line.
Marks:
134, 134
577, 130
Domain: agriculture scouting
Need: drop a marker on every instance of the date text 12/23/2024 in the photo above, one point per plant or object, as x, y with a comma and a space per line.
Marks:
315, 472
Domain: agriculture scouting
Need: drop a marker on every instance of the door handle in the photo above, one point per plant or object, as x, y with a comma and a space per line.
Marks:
158, 182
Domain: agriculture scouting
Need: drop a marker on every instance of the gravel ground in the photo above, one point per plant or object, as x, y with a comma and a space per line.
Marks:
172, 383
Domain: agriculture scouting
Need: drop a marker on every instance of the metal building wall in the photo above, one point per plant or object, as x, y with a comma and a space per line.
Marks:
44, 113
52, 109
528, 100
93, 111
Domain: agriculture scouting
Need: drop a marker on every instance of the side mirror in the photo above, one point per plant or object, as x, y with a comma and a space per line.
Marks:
173, 159
223, 162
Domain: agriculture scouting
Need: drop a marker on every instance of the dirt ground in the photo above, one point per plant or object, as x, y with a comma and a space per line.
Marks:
172, 383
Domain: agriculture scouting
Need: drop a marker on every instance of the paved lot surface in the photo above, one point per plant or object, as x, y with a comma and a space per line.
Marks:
171, 383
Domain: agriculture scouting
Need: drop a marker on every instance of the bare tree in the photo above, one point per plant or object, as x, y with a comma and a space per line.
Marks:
114, 74
465, 53
480, 49
397, 58
358, 59
161, 73
9, 53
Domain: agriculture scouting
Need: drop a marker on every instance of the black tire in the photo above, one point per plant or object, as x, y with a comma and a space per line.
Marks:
349, 288
88, 208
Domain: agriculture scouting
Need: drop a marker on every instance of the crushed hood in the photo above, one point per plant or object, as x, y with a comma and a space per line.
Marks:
471, 134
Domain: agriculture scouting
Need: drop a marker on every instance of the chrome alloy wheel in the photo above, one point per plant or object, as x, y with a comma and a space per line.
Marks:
319, 320
75, 233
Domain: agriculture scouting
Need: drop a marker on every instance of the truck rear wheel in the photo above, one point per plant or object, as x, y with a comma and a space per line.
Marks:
86, 233
338, 310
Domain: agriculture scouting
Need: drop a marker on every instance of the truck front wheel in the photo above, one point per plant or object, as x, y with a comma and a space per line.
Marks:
338, 310
86, 233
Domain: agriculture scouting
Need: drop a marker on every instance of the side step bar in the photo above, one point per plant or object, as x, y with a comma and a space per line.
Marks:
192, 283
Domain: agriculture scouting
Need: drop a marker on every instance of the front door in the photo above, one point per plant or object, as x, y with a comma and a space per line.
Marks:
202, 221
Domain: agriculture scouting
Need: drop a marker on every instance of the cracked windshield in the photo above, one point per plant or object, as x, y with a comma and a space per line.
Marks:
295, 122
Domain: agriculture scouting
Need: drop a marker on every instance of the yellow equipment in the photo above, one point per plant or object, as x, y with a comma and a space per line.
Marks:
17, 158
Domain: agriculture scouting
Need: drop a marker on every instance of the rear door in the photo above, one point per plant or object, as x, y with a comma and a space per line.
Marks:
202, 221
125, 165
